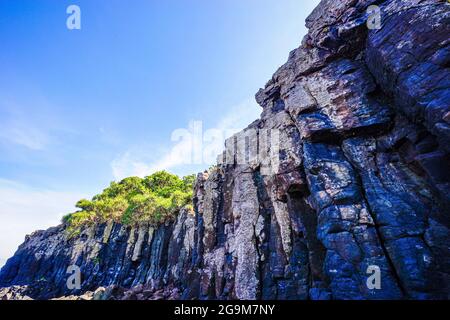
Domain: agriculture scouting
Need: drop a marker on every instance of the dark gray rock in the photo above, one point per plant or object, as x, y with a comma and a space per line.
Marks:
346, 170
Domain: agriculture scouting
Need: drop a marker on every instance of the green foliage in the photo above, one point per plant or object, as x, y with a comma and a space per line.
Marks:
97, 260
77, 219
85, 205
154, 199
188, 182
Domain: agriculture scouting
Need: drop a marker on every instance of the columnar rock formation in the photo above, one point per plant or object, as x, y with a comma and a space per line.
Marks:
346, 170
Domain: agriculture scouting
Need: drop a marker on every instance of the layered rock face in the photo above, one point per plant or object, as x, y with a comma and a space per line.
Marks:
346, 172
109, 255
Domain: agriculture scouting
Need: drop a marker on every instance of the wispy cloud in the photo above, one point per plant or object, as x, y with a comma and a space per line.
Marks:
182, 153
129, 164
18, 131
24, 209
31, 122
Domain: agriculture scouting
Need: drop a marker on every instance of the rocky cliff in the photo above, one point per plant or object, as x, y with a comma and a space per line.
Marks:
346, 171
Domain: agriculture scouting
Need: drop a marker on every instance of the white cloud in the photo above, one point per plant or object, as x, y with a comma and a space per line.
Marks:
31, 122
127, 165
186, 151
21, 133
24, 210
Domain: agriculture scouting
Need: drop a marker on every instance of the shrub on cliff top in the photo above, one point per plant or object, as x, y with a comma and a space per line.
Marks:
153, 199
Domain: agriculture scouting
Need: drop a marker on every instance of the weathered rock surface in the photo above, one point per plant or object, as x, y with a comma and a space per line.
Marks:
107, 255
347, 169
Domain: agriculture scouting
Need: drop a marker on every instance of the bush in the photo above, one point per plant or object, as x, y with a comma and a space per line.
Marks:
85, 205
154, 199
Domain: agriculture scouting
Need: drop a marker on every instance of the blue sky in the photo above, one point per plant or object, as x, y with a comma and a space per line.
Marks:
80, 108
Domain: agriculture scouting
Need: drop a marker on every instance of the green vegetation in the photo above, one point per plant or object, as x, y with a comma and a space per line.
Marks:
153, 199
